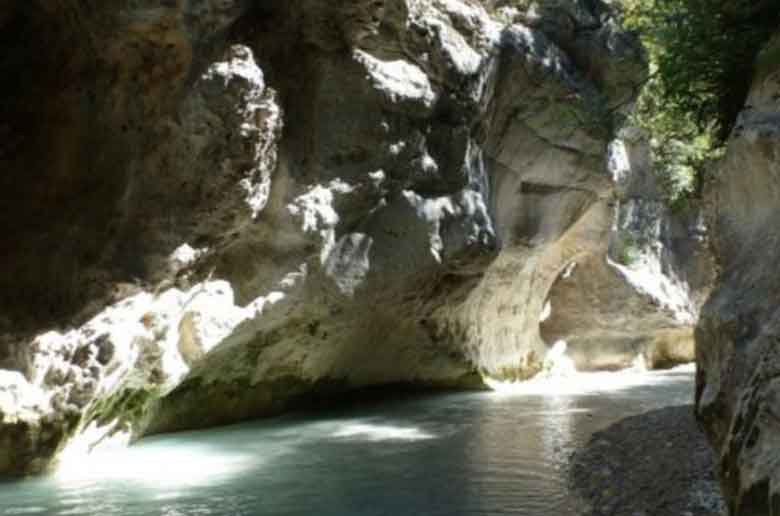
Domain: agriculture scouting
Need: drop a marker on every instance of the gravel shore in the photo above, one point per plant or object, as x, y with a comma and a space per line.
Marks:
654, 464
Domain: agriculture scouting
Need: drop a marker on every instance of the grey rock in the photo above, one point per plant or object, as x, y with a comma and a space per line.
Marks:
260, 202
639, 292
737, 352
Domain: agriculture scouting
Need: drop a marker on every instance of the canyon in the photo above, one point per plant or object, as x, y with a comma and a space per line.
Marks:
218, 210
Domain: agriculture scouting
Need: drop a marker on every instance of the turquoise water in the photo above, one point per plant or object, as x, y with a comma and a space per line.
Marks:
459, 454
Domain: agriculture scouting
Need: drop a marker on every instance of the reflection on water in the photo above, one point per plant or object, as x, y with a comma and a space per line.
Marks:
579, 384
459, 454
381, 432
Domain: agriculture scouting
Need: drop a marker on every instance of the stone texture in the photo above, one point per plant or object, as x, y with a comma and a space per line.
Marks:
636, 292
195, 168
654, 463
94, 99
32, 433
737, 387
256, 202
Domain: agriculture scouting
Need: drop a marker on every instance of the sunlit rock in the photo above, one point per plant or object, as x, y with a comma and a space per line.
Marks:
295, 199
638, 292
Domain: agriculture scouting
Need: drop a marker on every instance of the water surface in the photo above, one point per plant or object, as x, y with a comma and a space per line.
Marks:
491, 453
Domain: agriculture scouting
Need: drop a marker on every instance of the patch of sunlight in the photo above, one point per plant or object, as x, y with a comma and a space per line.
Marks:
685, 368
169, 496
92, 440
639, 364
546, 312
647, 275
559, 377
557, 412
580, 383
557, 364
373, 432
162, 466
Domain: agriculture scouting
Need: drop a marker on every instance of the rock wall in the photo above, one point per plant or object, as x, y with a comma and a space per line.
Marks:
639, 290
220, 208
737, 337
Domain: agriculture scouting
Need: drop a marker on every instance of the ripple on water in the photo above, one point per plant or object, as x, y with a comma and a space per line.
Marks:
381, 432
460, 454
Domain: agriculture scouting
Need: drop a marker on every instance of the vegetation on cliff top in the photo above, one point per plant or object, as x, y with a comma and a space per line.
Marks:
701, 58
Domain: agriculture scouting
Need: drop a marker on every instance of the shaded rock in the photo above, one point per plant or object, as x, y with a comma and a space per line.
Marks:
737, 388
93, 97
264, 202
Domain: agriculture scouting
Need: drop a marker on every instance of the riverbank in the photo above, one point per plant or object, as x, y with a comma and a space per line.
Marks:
654, 464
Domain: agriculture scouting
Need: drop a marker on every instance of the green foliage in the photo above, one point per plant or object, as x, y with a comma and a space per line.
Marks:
701, 60
629, 249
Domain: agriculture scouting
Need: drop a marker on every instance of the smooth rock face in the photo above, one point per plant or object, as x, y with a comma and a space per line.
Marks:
737, 392
638, 290
253, 203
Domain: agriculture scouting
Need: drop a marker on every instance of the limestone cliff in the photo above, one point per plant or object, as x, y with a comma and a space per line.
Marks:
219, 208
638, 293
737, 337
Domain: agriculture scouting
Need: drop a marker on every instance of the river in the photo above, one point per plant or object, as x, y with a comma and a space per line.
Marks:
486, 453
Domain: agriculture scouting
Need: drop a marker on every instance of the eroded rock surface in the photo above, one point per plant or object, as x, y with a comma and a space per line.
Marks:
233, 205
737, 390
637, 291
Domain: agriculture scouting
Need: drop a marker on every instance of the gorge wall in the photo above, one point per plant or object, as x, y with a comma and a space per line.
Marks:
213, 209
737, 391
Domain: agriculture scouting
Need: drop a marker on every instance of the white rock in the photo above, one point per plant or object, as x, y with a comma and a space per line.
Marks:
349, 262
185, 255
646, 275
317, 213
260, 116
19, 398
399, 79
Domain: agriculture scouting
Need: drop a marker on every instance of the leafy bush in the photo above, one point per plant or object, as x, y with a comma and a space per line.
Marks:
701, 58
628, 249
